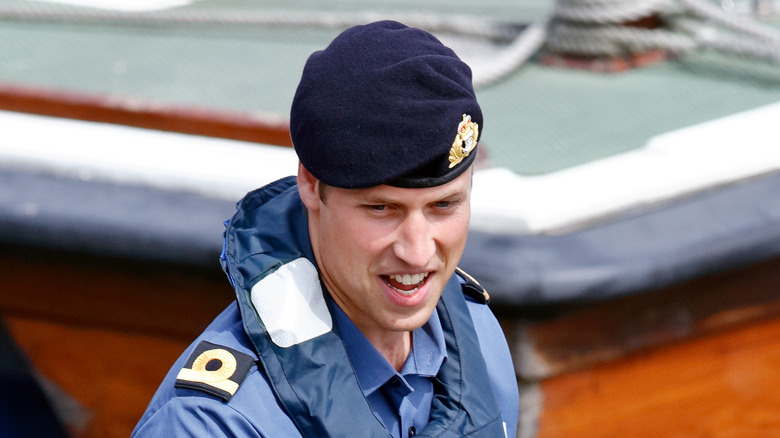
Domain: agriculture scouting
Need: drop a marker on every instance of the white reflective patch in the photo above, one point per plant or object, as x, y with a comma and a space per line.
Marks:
291, 304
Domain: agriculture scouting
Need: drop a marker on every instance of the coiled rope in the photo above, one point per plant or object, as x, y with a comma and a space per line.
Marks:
593, 28
590, 28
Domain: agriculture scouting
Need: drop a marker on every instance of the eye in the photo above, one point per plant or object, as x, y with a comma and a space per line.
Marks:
377, 207
447, 204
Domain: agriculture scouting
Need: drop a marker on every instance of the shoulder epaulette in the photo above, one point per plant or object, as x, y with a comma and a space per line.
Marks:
471, 288
215, 370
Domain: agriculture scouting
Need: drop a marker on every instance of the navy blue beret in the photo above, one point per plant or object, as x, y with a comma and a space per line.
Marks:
385, 104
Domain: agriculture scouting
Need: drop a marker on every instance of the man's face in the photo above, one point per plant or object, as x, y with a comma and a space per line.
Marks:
385, 253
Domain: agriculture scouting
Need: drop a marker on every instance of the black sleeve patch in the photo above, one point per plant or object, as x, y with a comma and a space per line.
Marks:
215, 369
472, 289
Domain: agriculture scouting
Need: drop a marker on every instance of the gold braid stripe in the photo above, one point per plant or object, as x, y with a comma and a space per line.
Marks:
219, 378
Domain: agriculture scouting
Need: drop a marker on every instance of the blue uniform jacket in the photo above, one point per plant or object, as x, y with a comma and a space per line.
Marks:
194, 399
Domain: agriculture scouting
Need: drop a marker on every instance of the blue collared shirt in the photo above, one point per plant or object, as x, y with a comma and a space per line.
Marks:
254, 411
401, 400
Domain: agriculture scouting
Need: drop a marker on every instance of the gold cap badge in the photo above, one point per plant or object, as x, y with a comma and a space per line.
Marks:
465, 140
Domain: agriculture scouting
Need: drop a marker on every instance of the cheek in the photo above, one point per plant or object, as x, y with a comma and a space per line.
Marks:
453, 233
453, 248
351, 239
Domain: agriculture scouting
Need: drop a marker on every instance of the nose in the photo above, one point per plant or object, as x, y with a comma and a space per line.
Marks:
415, 244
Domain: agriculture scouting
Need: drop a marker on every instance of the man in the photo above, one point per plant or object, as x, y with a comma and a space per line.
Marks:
352, 319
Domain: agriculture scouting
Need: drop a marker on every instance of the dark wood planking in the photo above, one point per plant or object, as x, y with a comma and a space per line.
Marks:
582, 337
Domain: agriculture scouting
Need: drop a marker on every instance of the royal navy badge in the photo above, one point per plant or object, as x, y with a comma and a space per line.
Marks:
465, 140
215, 370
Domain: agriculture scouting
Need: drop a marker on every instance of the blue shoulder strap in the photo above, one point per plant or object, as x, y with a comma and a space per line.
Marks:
464, 404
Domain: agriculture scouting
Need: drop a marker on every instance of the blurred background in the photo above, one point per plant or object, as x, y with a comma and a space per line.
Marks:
626, 207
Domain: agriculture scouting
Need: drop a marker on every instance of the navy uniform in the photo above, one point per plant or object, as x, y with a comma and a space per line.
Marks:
284, 360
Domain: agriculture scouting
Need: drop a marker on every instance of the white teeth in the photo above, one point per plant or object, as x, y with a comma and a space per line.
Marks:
409, 279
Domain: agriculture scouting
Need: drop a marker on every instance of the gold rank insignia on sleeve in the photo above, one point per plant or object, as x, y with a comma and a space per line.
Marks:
215, 370
465, 140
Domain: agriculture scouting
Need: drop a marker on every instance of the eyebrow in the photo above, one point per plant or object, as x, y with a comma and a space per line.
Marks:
381, 199
375, 199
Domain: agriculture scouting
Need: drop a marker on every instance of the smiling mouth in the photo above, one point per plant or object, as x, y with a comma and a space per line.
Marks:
406, 284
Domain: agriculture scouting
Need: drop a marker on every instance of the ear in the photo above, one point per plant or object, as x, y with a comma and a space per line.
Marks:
308, 188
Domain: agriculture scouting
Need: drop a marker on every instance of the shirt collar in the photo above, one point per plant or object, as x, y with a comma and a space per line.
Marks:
373, 370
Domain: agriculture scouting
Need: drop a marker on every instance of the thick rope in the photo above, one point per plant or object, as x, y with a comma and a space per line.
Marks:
580, 27
515, 54
606, 11
456, 24
586, 27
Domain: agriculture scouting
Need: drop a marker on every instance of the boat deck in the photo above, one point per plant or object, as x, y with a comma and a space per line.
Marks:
627, 224
539, 119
